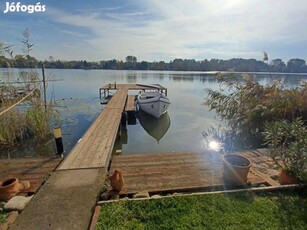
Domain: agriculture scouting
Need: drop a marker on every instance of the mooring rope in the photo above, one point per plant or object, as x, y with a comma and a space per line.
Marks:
17, 103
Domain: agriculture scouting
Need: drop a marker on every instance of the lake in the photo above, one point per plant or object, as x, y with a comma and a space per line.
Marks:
76, 96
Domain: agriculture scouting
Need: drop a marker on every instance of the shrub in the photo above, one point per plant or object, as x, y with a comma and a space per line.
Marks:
287, 142
245, 106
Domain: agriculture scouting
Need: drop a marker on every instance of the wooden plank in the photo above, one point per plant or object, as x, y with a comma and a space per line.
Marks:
90, 147
169, 165
101, 148
154, 157
163, 184
34, 170
129, 87
96, 145
130, 106
109, 147
173, 172
269, 180
79, 148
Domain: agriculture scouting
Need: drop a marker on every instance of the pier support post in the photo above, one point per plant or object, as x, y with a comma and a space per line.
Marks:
58, 140
131, 118
123, 135
123, 121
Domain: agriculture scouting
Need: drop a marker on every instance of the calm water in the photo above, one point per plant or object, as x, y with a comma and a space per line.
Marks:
77, 99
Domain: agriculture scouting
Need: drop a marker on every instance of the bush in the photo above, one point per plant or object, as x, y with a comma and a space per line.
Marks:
245, 106
287, 142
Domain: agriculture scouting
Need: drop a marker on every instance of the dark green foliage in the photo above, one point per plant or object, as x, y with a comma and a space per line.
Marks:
282, 210
235, 64
287, 142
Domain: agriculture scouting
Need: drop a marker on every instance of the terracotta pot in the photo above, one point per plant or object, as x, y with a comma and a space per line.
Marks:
235, 169
117, 180
10, 187
284, 178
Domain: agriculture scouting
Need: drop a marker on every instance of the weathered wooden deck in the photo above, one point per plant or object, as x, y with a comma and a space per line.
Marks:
94, 149
177, 172
130, 106
34, 170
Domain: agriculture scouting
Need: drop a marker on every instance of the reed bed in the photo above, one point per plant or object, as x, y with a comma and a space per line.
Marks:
17, 125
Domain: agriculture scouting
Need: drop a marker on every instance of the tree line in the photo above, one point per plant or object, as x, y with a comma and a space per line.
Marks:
294, 65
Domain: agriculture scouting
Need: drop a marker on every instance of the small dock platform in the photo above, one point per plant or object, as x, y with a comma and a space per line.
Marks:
34, 170
130, 106
105, 90
185, 172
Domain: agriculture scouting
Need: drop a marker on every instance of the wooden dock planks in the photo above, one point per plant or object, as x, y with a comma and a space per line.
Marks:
130, 106
35, 170
95, 147
171, 172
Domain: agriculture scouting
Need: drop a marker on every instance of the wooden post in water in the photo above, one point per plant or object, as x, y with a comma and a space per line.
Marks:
44, 87
58, 140
123, 120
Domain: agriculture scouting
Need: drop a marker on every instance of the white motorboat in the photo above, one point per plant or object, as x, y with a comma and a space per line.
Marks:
153, 102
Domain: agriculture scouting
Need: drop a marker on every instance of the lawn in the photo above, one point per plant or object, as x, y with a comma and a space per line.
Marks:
245, 210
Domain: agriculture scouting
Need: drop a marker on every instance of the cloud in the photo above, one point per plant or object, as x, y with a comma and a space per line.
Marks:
164, 30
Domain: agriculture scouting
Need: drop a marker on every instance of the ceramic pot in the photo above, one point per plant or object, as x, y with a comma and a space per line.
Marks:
284, 178
235, 169
117, 180
10, 187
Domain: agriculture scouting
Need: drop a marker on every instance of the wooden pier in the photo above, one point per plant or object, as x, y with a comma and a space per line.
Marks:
94, 149
105, 90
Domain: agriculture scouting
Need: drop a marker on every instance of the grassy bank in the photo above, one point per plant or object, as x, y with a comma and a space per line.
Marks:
279, 210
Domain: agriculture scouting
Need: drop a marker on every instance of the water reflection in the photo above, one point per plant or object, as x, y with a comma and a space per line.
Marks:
131, 78
156, 128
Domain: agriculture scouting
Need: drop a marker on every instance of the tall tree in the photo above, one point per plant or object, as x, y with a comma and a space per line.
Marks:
296, 65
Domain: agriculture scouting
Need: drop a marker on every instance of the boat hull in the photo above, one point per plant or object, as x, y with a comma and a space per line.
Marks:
155, 106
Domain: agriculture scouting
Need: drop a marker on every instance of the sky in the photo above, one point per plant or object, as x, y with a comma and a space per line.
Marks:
158, 30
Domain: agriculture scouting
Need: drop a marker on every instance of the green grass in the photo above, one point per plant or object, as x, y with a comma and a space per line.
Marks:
282, 210
2, 216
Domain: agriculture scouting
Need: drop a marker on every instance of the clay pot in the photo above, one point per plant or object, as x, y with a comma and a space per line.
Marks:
235, 169
10, 187
284, 178
117, 180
